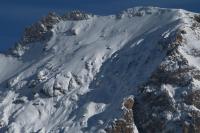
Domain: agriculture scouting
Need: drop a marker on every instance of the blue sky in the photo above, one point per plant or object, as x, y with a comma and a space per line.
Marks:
17, 14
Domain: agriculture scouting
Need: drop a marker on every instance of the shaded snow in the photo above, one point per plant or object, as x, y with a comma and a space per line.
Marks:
85, 71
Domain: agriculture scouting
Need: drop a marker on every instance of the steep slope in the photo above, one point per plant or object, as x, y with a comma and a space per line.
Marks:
86, 73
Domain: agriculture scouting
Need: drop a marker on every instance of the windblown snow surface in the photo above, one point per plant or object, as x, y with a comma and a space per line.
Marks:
77, 80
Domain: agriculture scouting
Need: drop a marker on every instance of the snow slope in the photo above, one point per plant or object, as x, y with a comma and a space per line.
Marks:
76, 80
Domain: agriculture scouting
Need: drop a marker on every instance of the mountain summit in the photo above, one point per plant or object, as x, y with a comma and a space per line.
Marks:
137, 71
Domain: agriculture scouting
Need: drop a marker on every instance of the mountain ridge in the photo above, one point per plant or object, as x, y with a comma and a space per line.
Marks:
79, 78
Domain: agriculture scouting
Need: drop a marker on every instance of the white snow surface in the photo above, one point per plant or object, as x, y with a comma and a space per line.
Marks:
78, 83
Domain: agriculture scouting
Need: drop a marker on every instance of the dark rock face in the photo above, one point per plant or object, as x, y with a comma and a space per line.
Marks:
197, 18
193, 98
50, 20
34, 33
158, 110
41, 30
174, 69
193, 123
179, 76
38, 32
75, 15
155, 111
126, 123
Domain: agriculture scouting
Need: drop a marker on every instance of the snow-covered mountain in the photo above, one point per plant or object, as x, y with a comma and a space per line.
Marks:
137, 71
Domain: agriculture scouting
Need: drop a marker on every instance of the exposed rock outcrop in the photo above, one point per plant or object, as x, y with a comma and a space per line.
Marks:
168, 99
126, 123
76, 15
197, 18
41, 30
